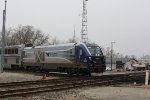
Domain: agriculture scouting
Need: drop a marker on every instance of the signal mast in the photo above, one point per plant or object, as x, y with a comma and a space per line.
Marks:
84, 29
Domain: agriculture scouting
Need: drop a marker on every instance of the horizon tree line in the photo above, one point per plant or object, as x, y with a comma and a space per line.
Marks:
27, 34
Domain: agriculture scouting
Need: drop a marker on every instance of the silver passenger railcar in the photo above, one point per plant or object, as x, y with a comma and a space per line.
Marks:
13, 56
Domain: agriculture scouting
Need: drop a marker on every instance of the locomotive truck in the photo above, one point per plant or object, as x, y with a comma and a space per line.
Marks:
73, 58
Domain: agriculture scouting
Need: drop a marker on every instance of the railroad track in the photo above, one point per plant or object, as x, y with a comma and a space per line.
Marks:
37, 82
62, 79
39, 73
51, 88
32, 87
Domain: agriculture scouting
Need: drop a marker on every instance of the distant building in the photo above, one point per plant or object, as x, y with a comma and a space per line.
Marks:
144, 60
108, 60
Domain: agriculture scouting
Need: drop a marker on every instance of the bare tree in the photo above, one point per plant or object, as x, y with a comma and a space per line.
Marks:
55, 40
7, 36
108, 52
145, 57
73, 40
26, 35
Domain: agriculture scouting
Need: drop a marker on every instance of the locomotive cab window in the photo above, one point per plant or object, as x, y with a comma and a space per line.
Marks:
95, 50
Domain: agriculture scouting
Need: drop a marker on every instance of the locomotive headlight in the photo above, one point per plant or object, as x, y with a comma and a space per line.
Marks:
90, 58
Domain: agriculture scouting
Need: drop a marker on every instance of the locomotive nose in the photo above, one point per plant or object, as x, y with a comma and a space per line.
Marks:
97, 63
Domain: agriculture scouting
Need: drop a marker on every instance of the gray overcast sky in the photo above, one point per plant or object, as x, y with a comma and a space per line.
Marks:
127, 22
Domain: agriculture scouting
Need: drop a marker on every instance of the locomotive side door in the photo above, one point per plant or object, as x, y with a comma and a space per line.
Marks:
78, 53
39, 57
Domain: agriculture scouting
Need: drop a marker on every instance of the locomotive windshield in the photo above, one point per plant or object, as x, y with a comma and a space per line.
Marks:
95, 50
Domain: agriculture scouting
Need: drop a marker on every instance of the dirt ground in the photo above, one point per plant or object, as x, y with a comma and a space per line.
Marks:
117, 93
92, 93
6, 77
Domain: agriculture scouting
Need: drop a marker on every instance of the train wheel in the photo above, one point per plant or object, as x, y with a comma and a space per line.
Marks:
89, 74
28, 68
70, 71
77, 71
37, 68
22, 68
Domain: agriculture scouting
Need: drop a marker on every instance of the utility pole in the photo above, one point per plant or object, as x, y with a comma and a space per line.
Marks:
74, 36
111, 54
3, 39
84, 30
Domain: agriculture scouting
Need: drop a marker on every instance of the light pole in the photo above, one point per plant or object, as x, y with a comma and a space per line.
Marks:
111, 53
3, 39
